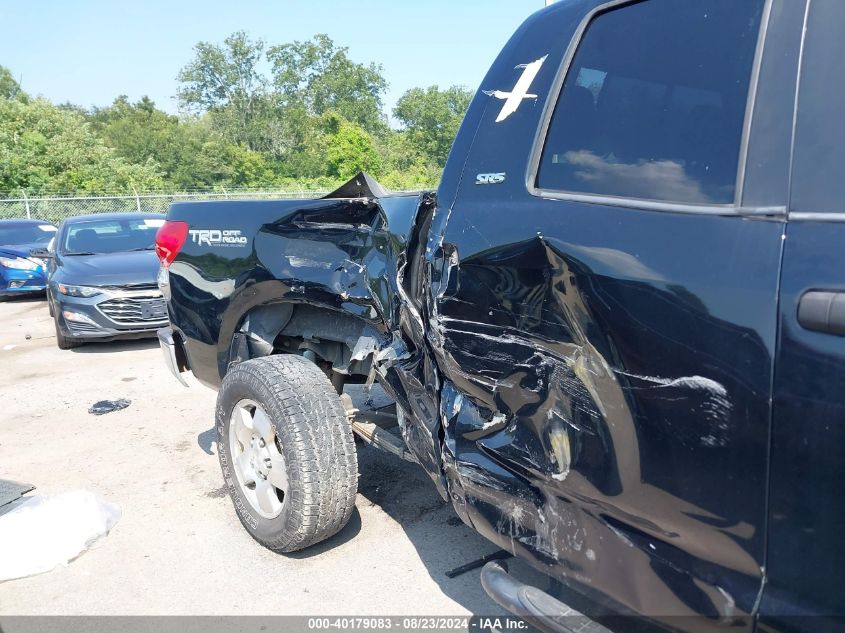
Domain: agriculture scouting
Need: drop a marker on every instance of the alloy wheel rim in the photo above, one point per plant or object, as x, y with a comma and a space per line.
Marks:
257, 460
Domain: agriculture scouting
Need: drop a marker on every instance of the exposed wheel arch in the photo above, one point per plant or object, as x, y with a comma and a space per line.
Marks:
343, 342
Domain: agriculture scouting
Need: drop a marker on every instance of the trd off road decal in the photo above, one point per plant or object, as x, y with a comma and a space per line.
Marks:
217, 237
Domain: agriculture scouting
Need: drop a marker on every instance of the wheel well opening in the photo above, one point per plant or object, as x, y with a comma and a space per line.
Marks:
338, 342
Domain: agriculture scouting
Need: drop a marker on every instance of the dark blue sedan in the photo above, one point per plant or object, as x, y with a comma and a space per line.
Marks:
20, 273
102, 280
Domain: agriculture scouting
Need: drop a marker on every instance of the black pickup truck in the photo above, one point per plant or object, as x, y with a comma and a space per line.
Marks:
614, 334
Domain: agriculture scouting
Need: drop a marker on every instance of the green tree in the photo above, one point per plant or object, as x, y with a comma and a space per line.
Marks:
349, 149
249, 168
9, 87
137, 131
306, 155
320, 76
313, 119
431, 117
140, 132
404, 166
46, 148
226, 80
191, 154
73, 107
283, 119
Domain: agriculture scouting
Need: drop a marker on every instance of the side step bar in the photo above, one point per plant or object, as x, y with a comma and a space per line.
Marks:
541, 610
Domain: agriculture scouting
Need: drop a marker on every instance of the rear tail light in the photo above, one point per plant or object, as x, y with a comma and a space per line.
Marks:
169, 241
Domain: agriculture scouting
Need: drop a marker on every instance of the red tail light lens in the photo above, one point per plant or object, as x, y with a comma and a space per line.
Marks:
169, 241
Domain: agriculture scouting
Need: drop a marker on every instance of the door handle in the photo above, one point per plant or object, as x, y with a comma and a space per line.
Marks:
822, 311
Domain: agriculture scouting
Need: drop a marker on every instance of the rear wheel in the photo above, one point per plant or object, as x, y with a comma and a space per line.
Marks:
287, 452
63, 341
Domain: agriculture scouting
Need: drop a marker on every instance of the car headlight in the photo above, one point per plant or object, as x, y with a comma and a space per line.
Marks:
19, 263
77, 291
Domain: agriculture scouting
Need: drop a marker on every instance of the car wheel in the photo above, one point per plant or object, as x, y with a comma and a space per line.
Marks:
50, 305
63, 341
287, 452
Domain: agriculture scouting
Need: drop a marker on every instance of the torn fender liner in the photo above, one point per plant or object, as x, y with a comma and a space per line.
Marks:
361, 185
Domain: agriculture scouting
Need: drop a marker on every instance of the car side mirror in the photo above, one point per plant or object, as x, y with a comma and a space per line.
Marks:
41, 253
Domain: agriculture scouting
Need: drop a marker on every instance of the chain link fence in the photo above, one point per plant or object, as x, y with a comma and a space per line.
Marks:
56, 208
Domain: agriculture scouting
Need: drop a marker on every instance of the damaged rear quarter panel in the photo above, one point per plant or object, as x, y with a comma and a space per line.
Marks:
348, 256
337, 254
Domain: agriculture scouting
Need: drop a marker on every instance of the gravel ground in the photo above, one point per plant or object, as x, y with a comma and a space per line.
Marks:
179, 548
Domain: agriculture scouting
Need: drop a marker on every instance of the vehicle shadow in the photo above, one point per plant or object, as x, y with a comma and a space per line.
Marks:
30, 298
405, 492
206, 440
113, 347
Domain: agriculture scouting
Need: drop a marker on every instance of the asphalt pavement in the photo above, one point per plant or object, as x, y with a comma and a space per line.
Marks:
178, 548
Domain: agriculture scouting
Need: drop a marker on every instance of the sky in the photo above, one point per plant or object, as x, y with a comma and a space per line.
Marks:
90, 51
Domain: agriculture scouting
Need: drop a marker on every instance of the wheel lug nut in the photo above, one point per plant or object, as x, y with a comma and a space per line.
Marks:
261, 443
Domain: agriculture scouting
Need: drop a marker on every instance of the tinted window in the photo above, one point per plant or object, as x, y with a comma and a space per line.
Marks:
817, 180
654, 102
111, 236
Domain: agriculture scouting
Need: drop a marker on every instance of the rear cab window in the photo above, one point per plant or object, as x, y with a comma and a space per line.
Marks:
111, 236
654, 102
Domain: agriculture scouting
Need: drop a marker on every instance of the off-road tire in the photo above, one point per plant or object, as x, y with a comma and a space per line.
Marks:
61, 340
315, 438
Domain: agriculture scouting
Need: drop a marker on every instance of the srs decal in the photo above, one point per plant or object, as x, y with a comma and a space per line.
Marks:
515, 97
490, 179
217, 237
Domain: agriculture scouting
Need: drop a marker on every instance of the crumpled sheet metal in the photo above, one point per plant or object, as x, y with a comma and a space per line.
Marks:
539, 406
525, 416
542, 435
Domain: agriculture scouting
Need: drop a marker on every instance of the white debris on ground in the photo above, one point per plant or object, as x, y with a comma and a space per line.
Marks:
43, 532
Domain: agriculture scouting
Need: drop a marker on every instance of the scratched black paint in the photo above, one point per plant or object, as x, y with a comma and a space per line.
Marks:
590, 385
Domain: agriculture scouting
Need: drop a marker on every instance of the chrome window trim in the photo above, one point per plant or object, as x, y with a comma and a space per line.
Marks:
817, 216
811, 216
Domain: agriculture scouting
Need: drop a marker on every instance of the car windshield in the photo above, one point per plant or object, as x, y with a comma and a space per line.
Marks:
26, 234
98, 237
